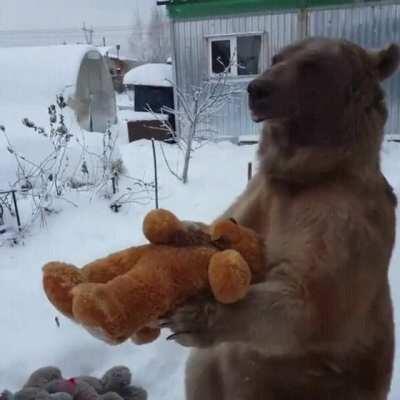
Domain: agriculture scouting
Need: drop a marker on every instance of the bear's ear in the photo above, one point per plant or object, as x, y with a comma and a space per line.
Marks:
386, 61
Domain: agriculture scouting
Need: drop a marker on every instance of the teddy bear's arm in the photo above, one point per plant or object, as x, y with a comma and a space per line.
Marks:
163, 227
228, 234
229, 276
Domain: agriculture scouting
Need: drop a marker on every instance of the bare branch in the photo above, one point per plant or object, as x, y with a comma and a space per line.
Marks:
168, 165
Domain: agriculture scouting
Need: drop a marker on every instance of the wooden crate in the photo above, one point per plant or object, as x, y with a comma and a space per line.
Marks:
151, 129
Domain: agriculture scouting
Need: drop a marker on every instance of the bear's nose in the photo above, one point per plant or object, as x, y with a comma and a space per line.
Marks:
258, 89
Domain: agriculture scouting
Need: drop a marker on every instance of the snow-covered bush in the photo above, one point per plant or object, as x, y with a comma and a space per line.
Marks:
70, 162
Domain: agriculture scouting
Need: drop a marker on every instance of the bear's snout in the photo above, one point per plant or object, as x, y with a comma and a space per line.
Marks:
259, 89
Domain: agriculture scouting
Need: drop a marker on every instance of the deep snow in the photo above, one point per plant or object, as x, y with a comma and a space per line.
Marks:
29, 336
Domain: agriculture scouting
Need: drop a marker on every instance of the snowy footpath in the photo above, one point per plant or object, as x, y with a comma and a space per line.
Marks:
29, 335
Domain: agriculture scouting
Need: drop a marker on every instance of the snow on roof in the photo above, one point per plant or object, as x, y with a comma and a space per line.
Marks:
112, 52
105, 49
150, 75
28, 73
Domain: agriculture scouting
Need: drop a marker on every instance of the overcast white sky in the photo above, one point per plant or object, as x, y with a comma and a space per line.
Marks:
54, 14
48, 22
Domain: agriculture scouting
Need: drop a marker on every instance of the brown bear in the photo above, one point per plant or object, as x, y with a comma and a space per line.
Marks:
320, 326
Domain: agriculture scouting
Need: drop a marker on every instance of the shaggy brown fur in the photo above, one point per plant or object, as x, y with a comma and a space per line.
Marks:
320, 327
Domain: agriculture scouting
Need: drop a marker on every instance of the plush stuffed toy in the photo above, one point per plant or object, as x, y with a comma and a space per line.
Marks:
124, 294
47, 383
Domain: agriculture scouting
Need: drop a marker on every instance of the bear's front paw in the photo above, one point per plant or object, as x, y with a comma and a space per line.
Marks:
195, 324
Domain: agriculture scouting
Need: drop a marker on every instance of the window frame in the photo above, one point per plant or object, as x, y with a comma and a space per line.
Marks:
233, 38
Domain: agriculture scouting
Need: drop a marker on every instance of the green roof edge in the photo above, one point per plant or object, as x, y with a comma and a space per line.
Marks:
181, 9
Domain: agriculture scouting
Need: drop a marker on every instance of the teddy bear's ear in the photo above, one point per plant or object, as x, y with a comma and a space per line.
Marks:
386, 60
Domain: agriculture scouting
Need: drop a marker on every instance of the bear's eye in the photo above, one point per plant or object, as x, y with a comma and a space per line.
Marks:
309, 66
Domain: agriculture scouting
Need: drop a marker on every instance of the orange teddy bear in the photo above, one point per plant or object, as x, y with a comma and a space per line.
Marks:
123, 295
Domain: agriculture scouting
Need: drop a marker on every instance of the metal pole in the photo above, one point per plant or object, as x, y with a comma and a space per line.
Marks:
16, 209
114, 186
249, 171
302, 23
155, 171
90, 112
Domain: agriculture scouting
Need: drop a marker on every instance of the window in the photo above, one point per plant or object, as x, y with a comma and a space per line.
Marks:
221, 55
240, 54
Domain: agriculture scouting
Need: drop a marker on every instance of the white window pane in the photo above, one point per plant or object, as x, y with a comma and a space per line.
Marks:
220, 55
248, 53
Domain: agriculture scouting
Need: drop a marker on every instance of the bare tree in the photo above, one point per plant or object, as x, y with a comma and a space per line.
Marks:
151, 43
159, 38
137, 40
196, 110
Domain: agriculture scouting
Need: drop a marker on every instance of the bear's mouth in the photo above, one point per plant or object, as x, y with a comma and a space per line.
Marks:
257, 117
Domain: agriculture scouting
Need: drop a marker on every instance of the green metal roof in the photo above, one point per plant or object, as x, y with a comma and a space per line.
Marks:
183, 9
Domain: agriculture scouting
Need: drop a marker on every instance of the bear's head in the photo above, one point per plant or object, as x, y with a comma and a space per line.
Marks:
322, 98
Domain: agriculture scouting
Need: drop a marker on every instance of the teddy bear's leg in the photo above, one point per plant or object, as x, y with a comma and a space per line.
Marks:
107, 268
114, 311
145, 335
58, 280
229, 276
159, 281
99, 312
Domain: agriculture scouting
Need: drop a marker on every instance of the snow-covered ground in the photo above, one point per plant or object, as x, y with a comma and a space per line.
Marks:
29, 336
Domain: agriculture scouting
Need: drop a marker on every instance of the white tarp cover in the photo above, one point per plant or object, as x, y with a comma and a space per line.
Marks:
37, 74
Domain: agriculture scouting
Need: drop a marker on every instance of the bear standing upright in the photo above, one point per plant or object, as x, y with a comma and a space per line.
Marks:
320, 327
